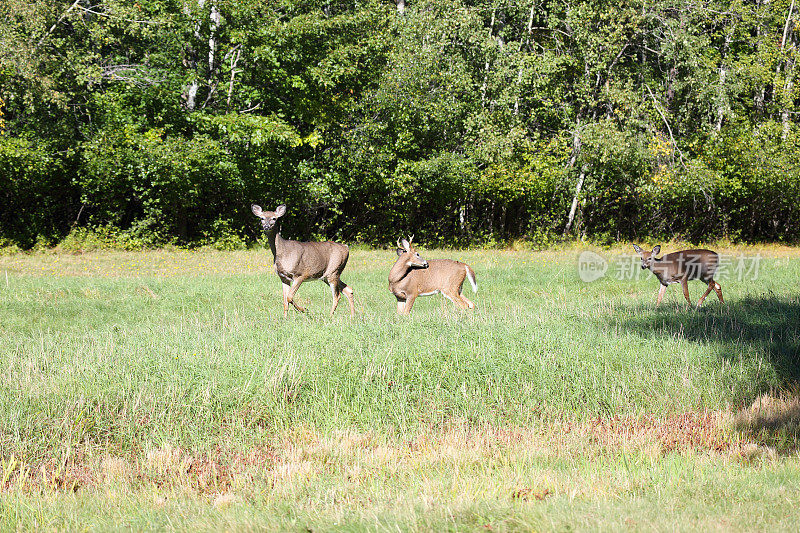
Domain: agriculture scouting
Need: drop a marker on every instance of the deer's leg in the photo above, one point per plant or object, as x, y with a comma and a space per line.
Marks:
286, 288
337, 288
409, 303
460, 294
660, 296
469, 304
446, 296
703, 297
348, 292
718, 290
401, 305
336, 292
456, 298
685, 285
293, 290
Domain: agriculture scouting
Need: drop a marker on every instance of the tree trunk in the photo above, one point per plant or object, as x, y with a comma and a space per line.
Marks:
522, 60
787, 91
574, 207
215, 17
788, 68
234, 62
760, 95
722, 97
485, 83
576, 150
194, 85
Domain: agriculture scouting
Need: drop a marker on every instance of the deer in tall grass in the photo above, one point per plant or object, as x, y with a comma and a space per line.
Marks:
297, 261
681, 267
413, 276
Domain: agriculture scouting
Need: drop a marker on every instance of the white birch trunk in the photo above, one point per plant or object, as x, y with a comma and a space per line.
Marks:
574, 207
485, 83
522, 66
788, 85
194, 84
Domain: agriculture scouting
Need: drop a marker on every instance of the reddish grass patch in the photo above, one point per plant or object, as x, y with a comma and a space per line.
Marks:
303, 453
685, 431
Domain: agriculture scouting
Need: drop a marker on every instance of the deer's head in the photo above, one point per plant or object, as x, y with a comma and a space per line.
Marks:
407, 253
268, 218
647, 257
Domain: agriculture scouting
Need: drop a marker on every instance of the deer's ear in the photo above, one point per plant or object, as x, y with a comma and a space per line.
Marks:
657, 249
638, 250
405, 244
257, 210
280, 211
400, 252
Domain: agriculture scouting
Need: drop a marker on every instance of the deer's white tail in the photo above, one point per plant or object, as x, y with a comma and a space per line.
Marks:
471, 278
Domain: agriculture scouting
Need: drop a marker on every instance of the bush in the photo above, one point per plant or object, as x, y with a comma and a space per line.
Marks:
82, 239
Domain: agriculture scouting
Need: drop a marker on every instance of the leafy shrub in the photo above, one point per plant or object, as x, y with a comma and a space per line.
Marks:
85, 239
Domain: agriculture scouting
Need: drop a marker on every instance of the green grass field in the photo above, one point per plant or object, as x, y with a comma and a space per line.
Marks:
165, 390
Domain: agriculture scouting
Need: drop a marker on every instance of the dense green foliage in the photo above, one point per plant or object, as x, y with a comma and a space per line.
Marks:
458, 120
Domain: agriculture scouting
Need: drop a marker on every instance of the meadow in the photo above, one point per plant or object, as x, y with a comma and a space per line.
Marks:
164, 390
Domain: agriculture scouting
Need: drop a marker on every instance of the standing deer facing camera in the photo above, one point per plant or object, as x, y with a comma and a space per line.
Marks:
680, 267
412, 276
297, 261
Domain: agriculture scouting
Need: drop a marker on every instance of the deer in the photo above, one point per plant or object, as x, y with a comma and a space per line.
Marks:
296, 261
413, 276
681, 267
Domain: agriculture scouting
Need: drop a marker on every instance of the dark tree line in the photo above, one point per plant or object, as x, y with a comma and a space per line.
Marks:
461, 121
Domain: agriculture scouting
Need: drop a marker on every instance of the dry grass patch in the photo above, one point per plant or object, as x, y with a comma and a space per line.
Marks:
302, 454
772, 420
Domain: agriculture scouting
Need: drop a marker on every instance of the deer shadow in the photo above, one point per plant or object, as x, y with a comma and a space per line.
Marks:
766, 327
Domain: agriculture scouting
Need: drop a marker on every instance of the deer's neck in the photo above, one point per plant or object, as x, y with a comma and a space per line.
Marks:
275, 241
399, 270
658, 268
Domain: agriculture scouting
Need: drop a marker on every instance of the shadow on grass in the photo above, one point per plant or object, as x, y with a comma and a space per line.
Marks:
763, 327
773, 421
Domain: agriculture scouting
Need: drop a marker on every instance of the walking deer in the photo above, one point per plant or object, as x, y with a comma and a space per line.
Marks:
680, 267
297, 261
413, 276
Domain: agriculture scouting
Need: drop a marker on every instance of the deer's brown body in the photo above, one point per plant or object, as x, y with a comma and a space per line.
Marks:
412, 276
297, 261
682, 267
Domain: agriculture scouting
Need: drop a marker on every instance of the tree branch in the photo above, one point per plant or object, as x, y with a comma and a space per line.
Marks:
53, 27
100, 14
666, 123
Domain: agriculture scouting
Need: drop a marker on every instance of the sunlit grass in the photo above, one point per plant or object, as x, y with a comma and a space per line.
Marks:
156, 382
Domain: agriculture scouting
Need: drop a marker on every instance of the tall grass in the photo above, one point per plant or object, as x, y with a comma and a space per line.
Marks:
122, 354
173, 356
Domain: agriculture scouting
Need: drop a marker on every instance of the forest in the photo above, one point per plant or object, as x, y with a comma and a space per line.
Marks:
464, 122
